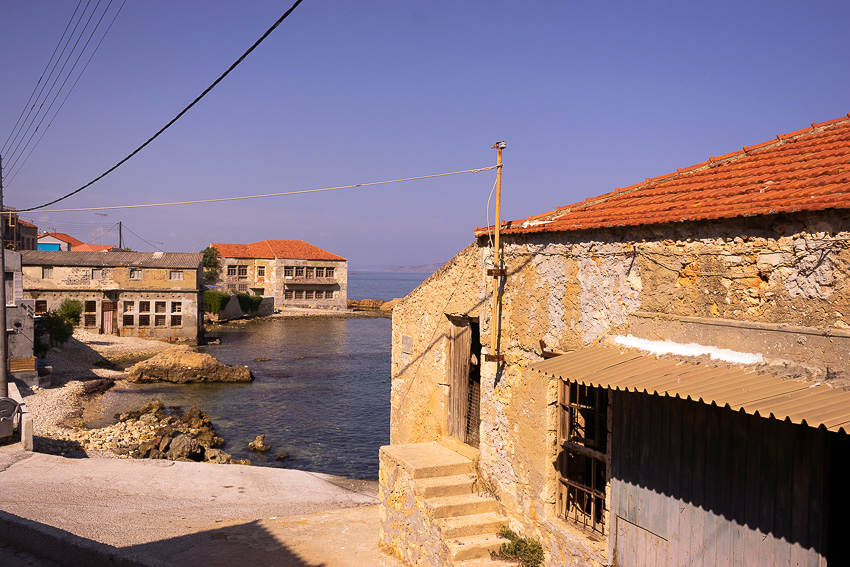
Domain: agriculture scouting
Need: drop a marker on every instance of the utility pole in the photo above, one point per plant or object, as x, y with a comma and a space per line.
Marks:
497, 271
4, 355
120, 237
101, 215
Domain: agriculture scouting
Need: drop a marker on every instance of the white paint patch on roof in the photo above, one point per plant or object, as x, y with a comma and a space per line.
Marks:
690, 349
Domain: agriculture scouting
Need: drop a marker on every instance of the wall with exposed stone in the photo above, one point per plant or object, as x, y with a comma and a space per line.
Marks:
774, 285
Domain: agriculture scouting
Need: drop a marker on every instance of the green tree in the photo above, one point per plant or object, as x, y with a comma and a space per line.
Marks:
70, 310
59, 325
212, 265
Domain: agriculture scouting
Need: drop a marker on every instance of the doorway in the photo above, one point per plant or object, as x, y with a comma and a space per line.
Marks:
464, 419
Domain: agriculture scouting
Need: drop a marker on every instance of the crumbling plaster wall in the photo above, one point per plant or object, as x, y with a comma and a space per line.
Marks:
420, 346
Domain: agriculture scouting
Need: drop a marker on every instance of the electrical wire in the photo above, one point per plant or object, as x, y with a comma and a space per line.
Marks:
67, 94
176, 118
14, 151
140, 238
222, 199
35, 88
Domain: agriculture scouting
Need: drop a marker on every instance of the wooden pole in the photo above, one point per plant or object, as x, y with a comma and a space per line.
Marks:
497, 260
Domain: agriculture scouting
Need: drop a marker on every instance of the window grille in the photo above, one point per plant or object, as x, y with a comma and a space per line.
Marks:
287, 294
299, 294
320, 294
47, 272
320, 272
261, 271
299, 271
90, 319
144, 320
310, 294
583, 459
97, 273
287, 271
129, 307
90, 307
135, 274
329, 295
242, 270
175, 275
231, 270
311, 273
329, 272
176, 306
243, 288
40, 306
159, 306
159, 320
129, 320
176, 320
144, 306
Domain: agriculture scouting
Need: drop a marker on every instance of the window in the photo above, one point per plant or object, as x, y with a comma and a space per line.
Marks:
329, 272
299, 294
311, 273
231, 287
159, 320
129, 320
129, 306
144, 320
159, 306
144, 306
287, 294
135, 274
40, 306
243, 288
329, 294
97, 273
176, 320
175, 275
299, 271
310, 294
231, 270
90, 307
320, 294
177, 307
243, 270
261, 271
583, 458
320, 272
47, 272
287, 271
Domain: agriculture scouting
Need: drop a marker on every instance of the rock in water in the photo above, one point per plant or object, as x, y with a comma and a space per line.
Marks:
259, 444
182, 364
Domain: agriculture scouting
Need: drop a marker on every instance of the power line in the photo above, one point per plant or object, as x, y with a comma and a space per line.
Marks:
35, 88
222, 199
68, 94
176, 118
139, 237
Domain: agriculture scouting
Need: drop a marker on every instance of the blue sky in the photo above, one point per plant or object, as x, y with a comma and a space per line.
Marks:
589, 96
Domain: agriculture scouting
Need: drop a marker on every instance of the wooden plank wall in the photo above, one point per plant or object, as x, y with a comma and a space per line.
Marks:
698, 485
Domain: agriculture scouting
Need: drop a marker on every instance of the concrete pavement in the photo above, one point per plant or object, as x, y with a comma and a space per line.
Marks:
190, 514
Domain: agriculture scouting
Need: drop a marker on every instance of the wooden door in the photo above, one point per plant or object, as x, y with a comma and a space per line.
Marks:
460, 341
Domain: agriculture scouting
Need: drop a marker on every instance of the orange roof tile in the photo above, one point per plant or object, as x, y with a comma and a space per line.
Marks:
25, 223
63, 237
806, 170
294, 249
93, 247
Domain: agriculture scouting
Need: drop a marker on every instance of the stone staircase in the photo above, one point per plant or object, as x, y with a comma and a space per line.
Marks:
467, 521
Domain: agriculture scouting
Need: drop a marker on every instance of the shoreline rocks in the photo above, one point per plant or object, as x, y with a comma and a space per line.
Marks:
183, 365
157, 432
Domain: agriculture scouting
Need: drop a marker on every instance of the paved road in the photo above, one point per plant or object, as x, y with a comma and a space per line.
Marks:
198, 513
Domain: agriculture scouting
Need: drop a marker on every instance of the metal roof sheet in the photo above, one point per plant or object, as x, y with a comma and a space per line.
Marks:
764, 395
182, 260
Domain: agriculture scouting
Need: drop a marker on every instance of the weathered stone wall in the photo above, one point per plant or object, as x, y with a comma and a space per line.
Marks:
774, 285
407, 529
420, 346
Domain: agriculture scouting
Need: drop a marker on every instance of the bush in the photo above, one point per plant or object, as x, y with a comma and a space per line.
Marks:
58, 326
249, 303
527, 551
215, 301
70, 310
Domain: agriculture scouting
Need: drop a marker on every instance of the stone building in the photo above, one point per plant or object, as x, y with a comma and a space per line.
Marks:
294, 272
667, 381
155, 295
20, 324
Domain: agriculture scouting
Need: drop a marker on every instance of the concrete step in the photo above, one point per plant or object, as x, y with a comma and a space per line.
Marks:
461, 505
426, 460
472, 524
439, 486
473, 547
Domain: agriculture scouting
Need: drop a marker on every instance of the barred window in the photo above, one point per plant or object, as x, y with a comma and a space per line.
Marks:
97, 273
40, 306
176, 320
177, 307
159, 320
175, 275
329, 294
329, 272
310, 294
135, 274
243, 288
299, 271
583, 458
128, 320
144, 306
160, 307
261, 271
287, 294
311, 273
144, 320
287, 271
47, 272
320, 272
231, 270
299, 294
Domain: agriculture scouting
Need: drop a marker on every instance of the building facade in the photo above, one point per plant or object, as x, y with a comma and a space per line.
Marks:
155, 295
20, 324
666, 384
294, 272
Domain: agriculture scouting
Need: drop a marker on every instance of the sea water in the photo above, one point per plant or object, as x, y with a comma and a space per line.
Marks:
321, 391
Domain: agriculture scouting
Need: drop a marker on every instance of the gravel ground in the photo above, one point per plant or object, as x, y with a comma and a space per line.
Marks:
83, 367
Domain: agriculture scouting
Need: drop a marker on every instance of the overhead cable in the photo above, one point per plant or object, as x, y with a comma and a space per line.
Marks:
221, 199
176, 118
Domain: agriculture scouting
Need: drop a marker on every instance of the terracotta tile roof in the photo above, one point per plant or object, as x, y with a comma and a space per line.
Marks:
805, 170
295, 249
93, 248
63, 237
25, 223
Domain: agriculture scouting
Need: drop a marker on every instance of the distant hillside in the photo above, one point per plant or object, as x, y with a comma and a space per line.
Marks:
421, 269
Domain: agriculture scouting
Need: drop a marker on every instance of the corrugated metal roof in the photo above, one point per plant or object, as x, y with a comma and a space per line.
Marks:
183, 260
757, 394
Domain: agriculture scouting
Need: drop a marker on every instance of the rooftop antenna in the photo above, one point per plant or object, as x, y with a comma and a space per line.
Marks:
101, 215
158, 244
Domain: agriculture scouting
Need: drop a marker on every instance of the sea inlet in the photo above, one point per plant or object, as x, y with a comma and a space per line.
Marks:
321, 392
